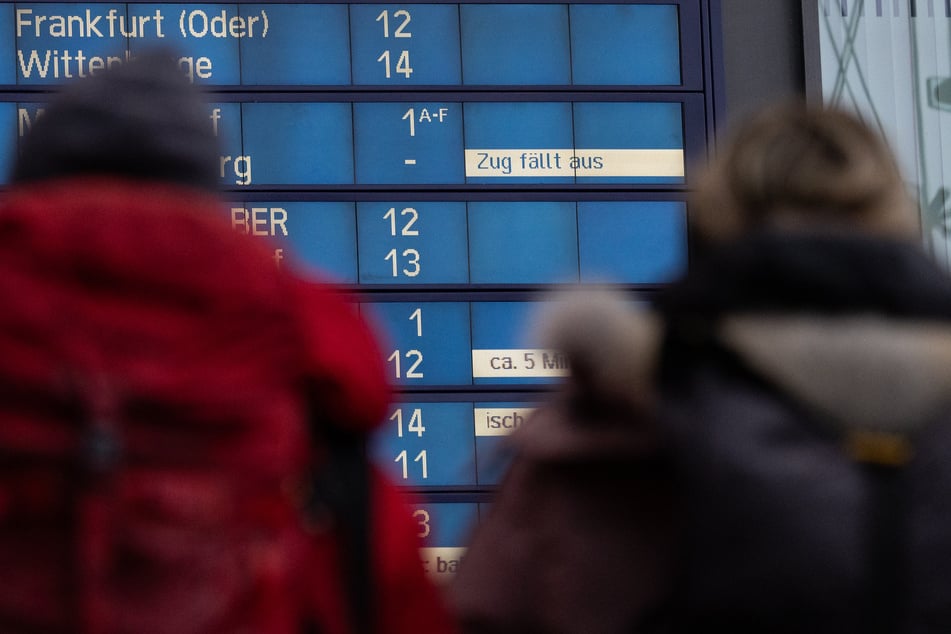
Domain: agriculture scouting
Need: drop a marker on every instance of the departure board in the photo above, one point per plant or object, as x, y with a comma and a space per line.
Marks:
450, 162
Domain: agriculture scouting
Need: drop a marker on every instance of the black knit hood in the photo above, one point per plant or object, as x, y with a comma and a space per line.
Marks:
142, 120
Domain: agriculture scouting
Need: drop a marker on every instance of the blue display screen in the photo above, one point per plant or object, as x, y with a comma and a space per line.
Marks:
450, 163
334, 143
442, 527
475, 242
339, 44
448, 444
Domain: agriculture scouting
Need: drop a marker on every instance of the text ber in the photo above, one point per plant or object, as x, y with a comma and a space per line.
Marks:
259, 221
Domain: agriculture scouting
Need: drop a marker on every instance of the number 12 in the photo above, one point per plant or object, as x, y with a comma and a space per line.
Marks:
401, 29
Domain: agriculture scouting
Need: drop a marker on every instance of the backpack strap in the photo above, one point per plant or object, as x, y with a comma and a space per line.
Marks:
99, 456
341, 488
882, 456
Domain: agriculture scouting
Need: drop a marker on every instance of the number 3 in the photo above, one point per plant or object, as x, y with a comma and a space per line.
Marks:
422, 518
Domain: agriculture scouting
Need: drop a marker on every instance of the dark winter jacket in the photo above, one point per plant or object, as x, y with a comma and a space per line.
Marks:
795, 393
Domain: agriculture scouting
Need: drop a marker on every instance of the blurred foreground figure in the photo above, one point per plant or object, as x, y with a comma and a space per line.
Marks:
170, 400
768, 448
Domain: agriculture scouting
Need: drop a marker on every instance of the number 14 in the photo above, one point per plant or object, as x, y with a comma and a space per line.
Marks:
415, 422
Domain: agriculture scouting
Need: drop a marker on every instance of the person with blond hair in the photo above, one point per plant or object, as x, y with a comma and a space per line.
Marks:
763, 449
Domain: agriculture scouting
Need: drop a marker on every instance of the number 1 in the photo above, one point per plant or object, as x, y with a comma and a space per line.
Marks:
417, 316
411, 116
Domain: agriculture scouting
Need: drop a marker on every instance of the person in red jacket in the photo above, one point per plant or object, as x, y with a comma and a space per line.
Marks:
171, 402
350, 396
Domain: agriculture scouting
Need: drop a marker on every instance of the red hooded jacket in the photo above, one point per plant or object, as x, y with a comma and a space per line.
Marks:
153, 425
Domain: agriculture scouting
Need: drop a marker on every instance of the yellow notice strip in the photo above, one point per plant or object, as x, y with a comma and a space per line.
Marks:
441, 563
518, 363
552, 163
499, 421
